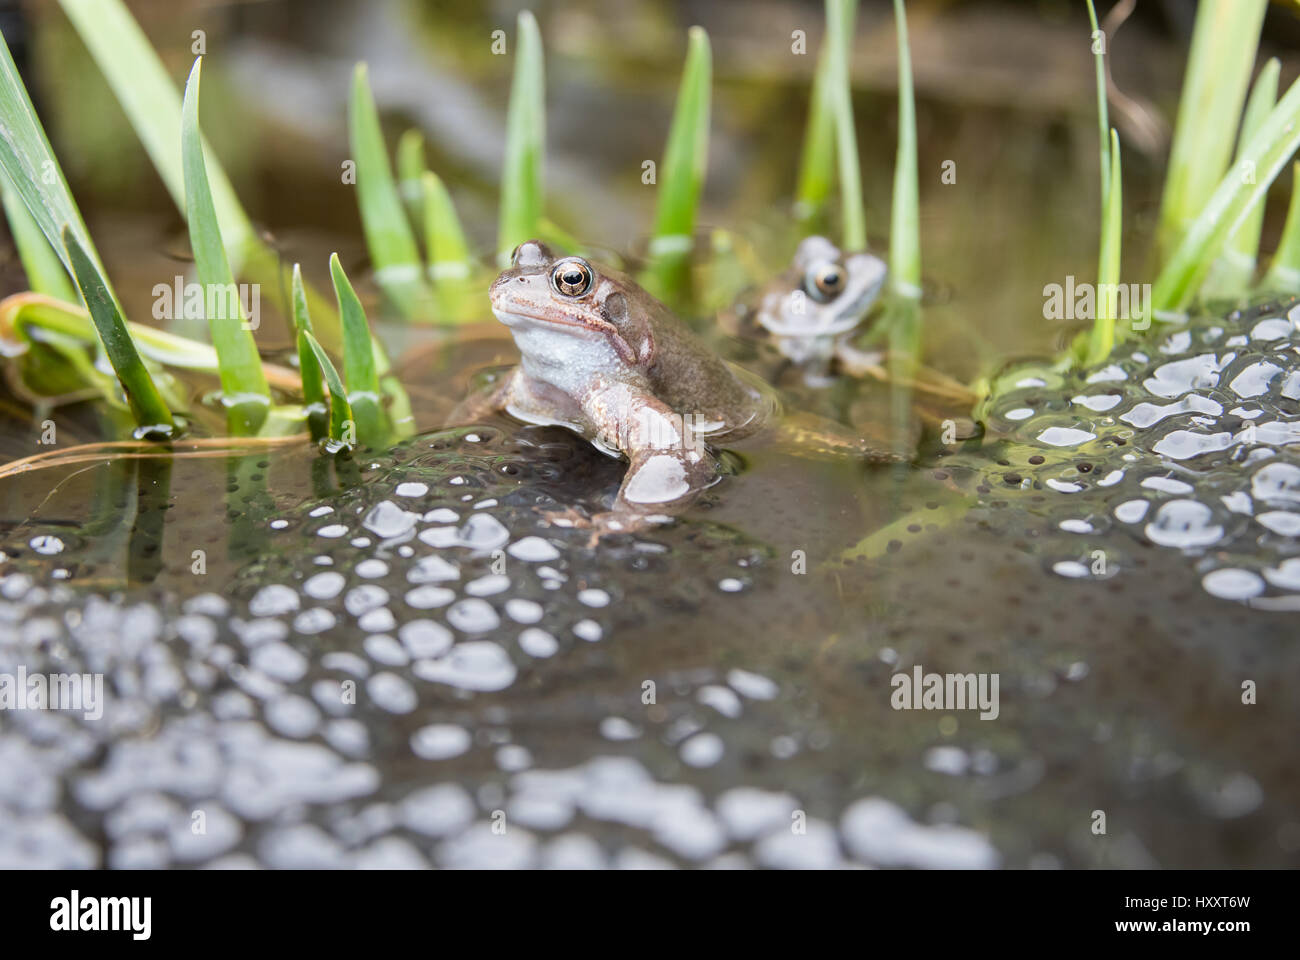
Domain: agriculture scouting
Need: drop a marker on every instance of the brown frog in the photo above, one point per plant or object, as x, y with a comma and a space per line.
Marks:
601, 357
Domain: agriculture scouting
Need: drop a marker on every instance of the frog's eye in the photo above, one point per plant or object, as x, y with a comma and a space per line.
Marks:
571, 277
824, 280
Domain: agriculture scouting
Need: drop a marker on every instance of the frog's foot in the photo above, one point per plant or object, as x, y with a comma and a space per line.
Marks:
859, 363
605, 523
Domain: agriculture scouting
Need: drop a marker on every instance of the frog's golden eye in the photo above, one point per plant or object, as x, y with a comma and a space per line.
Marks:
825, 280
571, 277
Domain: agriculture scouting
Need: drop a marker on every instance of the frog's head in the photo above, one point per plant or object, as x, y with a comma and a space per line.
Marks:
825, 292
564, 309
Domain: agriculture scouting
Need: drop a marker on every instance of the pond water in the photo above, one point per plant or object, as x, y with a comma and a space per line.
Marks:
392, 659
395, 660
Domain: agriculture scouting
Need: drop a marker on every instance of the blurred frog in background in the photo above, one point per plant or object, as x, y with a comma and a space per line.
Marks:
813, 309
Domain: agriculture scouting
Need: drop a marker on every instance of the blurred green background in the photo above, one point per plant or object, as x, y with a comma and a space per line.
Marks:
1004, 91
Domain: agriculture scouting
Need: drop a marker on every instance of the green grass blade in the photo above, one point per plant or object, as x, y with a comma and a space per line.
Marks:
1219, 65
1103, 111
1233, 273
1284, 272
450, 266
1102, 338
840, 16
686, 155
44, 269
242, 382
817, 158
410, 170
340, 411
556, 237
903, 311
152, 104
1266, 154
905, 228
143, 87
389, 236
33, 174
522, 175
29, 170
358, 360
1096, 344
444, 239
313, 391
147, 405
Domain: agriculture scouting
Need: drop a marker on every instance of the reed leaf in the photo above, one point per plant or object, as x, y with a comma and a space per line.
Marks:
1284, 272
686, 155
817, 156
152, 104
410, 171
149, 98
45, 271
72, 323
389, 236
1265, 155
1233, 273
1103, 111
314, 403
32, 173
359, 370
1101, 340
147, 406
905, 226
444, 239
341, 421
840, 16
1224, 41
522, 174
243, 384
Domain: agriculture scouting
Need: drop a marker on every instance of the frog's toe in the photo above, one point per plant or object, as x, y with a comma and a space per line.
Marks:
606, 523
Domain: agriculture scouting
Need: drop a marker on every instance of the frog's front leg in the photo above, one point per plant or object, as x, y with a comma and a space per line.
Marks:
481, 404
669, 464
521, 397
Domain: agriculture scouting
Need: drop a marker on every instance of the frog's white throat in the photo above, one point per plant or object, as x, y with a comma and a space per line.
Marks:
565, 355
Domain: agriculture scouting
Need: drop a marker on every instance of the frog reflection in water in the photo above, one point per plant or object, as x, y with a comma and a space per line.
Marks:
603, 358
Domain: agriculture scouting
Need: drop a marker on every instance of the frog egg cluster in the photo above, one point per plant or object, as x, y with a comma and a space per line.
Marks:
1192, 446
367, 692
290, 779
